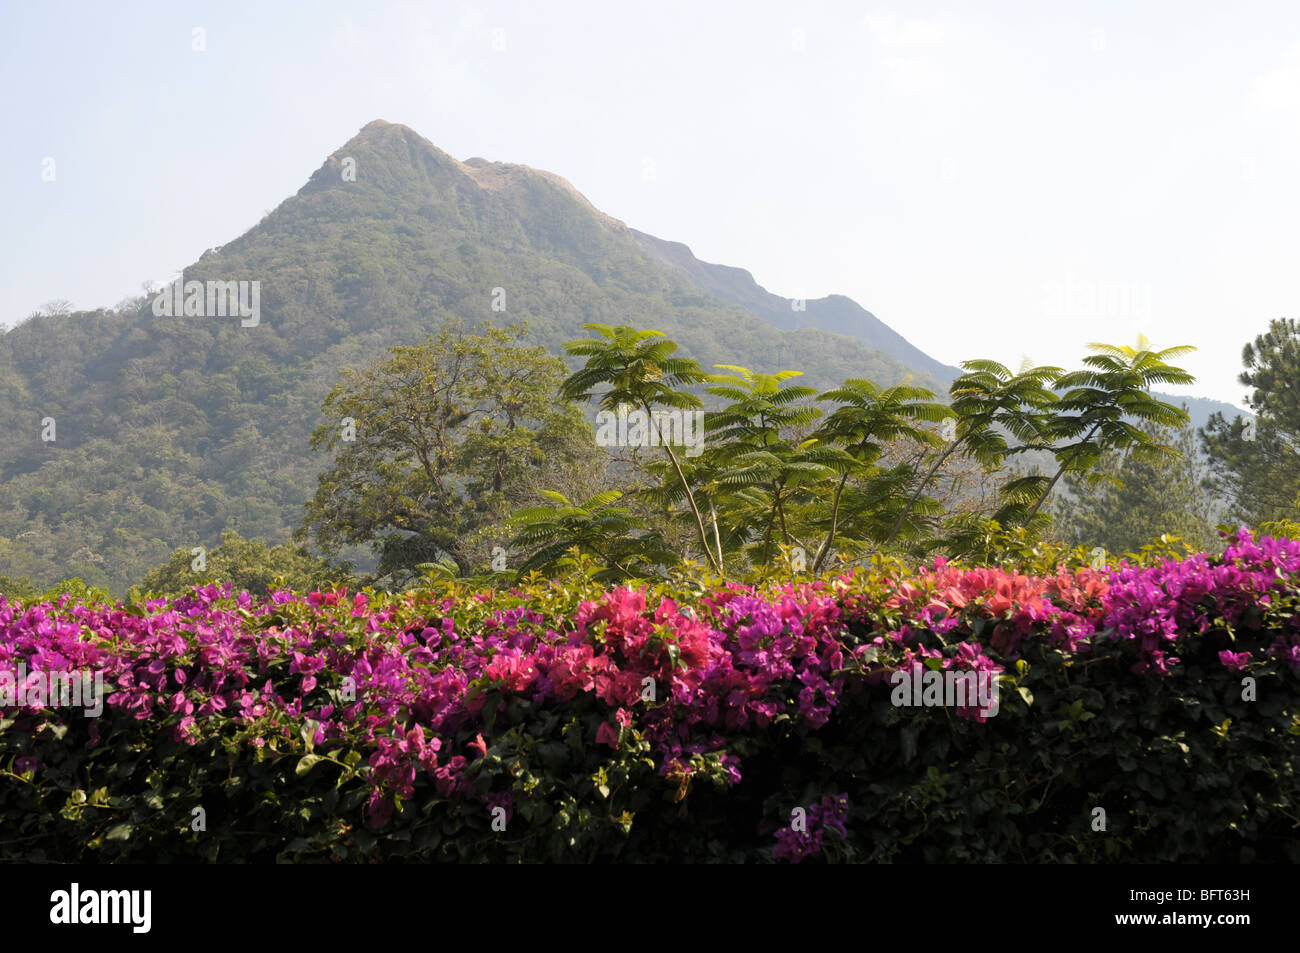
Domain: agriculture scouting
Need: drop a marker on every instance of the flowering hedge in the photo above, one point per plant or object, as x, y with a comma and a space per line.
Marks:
693, 721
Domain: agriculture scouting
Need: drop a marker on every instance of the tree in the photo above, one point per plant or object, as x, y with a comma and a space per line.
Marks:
760, 463
1140, 500
988, 401
55, 308
613, 534
435, 445
864, 424
637, 369
1255, 464
20, 588
1102, 398
248, 564
780, 476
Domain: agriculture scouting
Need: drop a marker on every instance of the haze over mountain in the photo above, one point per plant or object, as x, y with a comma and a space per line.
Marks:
168, 430
834, 313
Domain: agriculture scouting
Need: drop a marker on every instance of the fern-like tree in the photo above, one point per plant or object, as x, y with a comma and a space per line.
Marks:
612, 534
865, 422
759, 466
1095, 412
988, 402
635, 368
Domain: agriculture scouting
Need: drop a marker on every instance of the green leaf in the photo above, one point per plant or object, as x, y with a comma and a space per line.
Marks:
307, 762
119, 832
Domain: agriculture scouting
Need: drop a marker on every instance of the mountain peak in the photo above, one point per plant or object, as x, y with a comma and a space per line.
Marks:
379, 132
386, 155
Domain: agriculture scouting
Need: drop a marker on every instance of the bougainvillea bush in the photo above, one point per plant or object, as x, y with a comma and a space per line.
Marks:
1146, 713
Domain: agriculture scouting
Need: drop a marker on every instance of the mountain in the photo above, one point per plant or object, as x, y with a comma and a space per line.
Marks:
1200, 409
169, 429
834, 313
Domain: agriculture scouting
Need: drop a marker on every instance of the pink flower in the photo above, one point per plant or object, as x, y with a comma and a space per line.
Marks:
381, 809
1234, 662
606, 734
188, 732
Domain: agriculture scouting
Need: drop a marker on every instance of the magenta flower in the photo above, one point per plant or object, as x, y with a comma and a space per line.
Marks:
1234, 662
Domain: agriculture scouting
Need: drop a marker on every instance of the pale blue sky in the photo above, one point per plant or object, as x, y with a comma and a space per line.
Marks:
991, 179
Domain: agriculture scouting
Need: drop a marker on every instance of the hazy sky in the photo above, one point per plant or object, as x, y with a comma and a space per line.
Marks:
990, 179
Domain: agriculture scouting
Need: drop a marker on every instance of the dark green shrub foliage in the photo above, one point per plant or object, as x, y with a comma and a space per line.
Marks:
698, 721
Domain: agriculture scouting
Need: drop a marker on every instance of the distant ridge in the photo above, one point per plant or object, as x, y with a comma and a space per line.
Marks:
834, 313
